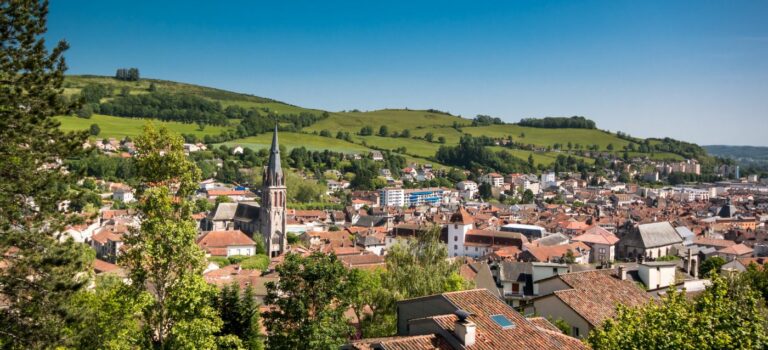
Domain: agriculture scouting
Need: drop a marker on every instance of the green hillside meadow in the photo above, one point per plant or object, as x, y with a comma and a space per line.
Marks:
418, 122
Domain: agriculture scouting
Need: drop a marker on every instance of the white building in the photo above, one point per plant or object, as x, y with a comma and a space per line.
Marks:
468, 189
493, 179
392, 197
548, 179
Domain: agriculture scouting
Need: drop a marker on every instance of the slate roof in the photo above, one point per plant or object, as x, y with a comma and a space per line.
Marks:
657, 234
224, 211
247, 211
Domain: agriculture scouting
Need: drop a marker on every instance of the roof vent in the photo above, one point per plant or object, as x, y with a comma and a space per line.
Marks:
462, 314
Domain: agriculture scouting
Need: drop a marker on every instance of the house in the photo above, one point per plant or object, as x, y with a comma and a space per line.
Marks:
226, 243
377, 156
586, 299
518, 279
602, 242
578, 251
652, 240
657, 275
237, 150
735, 251
108, 243
493, 179
122, 193
465, 240
472, 319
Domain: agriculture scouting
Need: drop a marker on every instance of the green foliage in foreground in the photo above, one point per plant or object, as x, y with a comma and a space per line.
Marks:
727, 315
309, 302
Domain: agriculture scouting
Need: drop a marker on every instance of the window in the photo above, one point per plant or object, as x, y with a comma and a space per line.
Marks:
575, 332
503, 321
475, 248
515, 288
455, 247
601, 250
455, 238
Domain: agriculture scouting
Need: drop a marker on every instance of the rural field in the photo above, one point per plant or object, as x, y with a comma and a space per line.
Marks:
292, 140
418, 122
394, 119
120, 127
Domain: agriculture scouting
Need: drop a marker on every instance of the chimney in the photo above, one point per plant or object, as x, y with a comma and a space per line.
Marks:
465, 329
622, 273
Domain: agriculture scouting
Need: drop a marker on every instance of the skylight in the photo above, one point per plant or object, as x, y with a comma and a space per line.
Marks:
503, 321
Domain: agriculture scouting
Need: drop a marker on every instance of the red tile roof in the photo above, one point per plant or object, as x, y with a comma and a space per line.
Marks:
596, 293
597, 235
462, 217
223, 239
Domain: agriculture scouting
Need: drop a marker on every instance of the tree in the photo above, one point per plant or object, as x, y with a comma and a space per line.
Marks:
366, 131
729, 314
429, 136
383, 131
406, 133
485, 190
441, 139
527, 197
162, 257
41, 274
610, 147
531, 162
371, 303
94, 130
108, 316
85, 112
710, 264
309, 303
152, 87
240, 315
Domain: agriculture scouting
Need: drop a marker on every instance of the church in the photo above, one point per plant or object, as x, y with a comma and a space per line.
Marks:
265, 220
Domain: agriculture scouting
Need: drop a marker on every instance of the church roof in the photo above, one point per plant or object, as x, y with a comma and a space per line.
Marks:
462, 217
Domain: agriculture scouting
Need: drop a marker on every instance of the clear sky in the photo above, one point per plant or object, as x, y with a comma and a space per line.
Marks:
693, 70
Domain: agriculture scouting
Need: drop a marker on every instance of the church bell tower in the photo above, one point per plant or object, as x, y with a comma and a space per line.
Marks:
273, 193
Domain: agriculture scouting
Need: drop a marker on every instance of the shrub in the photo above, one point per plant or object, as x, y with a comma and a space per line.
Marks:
256, 262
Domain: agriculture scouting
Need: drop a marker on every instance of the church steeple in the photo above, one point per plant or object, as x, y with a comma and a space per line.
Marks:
273, 203
273, 176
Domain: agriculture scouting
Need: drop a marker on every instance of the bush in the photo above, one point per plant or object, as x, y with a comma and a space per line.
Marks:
293, 238
256, 262
236, 259
219, 260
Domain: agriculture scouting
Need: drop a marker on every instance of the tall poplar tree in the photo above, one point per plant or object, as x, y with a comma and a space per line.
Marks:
38, 274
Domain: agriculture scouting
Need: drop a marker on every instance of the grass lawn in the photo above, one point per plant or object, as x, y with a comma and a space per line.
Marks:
119, 127
394, 119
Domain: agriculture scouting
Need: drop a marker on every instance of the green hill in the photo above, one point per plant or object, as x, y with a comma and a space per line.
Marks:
419, 123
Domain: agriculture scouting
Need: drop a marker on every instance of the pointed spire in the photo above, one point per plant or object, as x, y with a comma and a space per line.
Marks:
274, 173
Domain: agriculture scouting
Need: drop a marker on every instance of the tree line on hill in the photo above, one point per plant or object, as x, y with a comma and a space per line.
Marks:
471, 153
575, 122
127, 74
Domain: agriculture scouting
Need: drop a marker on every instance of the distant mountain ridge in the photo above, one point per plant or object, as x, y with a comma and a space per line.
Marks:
738, 152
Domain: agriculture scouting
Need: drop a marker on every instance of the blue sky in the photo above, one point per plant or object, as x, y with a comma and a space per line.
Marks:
693, 70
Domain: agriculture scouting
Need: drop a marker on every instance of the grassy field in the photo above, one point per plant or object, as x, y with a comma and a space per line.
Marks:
394, 119
292, 140
74, 83
419, 123
548, 137
120, 127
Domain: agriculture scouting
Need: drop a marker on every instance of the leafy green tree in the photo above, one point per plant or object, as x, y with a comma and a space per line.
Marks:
85, 112
710, 264
371, 303
108, 316
485, 190
41, 274
527, 197
406, 133
366, 131
441, 139
383, 131
240, 315
94, 130
162, 257
729, 314
531, 162
429, 136
309, 302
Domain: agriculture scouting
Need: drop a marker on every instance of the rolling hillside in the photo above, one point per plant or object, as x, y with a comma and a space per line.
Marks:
418, 122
